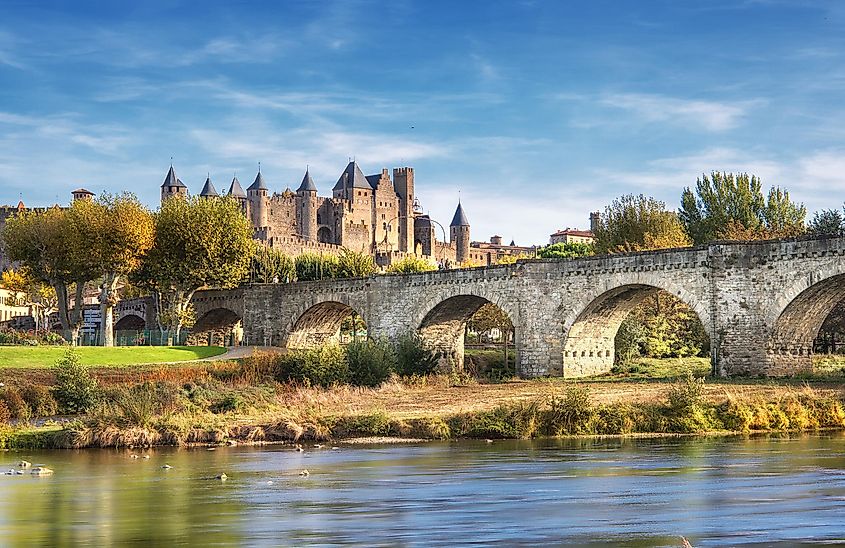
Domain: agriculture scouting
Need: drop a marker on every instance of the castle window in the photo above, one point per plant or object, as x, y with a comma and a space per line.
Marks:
319, 219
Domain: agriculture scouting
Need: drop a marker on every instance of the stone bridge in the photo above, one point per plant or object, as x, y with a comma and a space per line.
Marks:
761, 303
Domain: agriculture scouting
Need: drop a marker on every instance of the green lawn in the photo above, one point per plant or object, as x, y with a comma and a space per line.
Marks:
45, 356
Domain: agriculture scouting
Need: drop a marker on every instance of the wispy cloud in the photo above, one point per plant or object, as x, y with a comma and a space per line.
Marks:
711, 116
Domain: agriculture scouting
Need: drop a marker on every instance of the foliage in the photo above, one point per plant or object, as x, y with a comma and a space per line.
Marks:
488, 317
269, 265
370, 362
827, 221
31, 292
567, 250
5, 415
731, 206
638, 223
40, 400
661, 326
513, 258
413, 358
310, 266
28, 357
75, 390
198, 243
52, 245
410, 264
119, 232
355, 264
12, 397
570, 414
514, 420
324, 366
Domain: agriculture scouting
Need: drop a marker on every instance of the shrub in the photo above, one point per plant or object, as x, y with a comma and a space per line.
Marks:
229, 403
5, 414
686, 394
18, 409
570, 414
310, 266
324, 366
76, 390
370, 362
413, 358
40, 400
514, 420
54, 339
410, 264
354, 264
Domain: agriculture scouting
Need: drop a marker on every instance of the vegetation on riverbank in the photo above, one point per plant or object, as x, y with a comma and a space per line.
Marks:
219, 402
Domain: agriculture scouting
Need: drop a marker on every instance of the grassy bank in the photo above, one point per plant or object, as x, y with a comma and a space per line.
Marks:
46, 356
218, 402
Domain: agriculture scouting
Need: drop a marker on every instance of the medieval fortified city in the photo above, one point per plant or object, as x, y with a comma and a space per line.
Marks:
420, 273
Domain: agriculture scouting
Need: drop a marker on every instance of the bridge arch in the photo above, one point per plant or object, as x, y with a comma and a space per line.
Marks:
131, 322
218, 326
442, 327
795, 318
590, 327
321, 323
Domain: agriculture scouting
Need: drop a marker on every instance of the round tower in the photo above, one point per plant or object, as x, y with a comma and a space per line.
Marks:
172, 186
306, 197
459, 235
257, 196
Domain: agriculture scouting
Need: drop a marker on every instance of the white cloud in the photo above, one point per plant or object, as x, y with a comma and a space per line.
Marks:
711, 116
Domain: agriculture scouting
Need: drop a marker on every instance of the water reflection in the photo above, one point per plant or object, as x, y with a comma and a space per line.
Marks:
636, 492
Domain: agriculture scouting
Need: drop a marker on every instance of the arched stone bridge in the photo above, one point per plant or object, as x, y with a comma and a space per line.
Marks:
761, 303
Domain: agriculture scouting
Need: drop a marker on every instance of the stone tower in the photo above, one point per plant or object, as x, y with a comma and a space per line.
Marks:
82, 194
257, 197
172, 186
403, 183
307, 197
459, 235
208, 190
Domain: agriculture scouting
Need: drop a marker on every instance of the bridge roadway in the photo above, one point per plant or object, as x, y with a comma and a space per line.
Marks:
761, 303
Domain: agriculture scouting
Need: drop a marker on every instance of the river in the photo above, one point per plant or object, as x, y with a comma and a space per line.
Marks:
636, 492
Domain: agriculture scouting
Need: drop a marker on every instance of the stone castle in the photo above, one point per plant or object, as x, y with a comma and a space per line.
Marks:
373, 214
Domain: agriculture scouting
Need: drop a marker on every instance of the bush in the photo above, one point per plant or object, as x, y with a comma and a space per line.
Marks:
228, 404
18, 409
353, 264
325, 366
410, 265
370, 362
413, 358
310, 266
40, 400
76, 390
570, 414
5, 414
54, 339
508, 421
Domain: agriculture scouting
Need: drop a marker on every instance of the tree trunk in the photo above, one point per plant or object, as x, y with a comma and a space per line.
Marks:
64, 316
108, 298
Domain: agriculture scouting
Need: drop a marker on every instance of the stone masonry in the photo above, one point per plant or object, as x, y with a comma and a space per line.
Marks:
761, 303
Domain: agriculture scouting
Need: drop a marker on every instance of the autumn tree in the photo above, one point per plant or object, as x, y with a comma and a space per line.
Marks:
28, 291
410, 265
119, 231
728, 206
52, 245
198, 243
638, 223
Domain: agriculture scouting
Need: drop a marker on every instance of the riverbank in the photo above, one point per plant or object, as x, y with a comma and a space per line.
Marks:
229, 402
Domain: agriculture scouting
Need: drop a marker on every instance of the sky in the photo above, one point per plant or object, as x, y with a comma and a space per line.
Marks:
531, 113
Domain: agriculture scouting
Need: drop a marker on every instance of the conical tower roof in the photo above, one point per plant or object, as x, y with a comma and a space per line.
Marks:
352, 177
258, 184
208, 188
307, 183
171, 179
460, 218
236, 190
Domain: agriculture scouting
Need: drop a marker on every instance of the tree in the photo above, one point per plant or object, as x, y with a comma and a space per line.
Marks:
310, 266
827, 221
566, 250
52, 245
119, 232
355, 264
638, 223
410, 265
31, 292
731, 206
198, 243
270, 265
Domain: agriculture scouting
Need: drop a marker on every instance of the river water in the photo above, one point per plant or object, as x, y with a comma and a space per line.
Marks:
644, 492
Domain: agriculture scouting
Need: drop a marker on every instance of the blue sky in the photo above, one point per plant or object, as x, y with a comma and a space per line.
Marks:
536, 112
